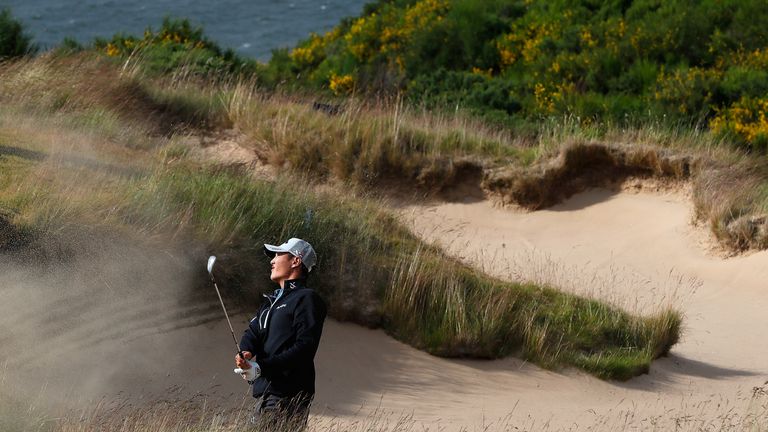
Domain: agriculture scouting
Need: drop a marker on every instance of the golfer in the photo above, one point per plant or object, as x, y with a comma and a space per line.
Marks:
280, 342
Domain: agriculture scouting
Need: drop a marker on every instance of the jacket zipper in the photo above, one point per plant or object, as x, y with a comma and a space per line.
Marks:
271, 305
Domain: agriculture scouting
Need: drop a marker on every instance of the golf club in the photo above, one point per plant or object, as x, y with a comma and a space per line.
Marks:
211, 260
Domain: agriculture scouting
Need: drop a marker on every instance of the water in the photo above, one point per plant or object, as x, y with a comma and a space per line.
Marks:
252, 28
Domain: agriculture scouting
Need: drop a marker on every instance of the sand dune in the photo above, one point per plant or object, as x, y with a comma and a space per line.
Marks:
638, 250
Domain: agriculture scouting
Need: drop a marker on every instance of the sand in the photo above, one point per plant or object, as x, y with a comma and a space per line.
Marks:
638, 250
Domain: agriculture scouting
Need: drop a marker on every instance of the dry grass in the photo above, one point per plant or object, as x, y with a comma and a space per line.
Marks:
733, 200
386, 143
96, 95
580, 166
125, 178
162, 196
368, 142
746, 412
452, 310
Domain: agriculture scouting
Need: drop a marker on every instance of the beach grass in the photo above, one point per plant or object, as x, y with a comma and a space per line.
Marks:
748, 412
386, 144
131, 175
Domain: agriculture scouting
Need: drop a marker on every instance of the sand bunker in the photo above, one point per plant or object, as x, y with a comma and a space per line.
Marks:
637, 250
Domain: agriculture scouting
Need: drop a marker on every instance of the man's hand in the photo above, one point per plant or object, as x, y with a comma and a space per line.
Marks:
248, 369
242, 362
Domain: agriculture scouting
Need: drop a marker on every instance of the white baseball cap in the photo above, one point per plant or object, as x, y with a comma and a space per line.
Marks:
296, 247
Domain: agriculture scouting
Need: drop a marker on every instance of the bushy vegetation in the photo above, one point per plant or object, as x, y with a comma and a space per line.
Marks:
176, 47
373, 270
14, 41
371, 143
138, 178
702, 63
375, 143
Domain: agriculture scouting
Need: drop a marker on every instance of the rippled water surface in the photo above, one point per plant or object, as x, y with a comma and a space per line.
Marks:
252, 28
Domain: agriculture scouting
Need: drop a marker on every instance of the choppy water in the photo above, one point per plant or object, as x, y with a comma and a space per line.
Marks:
252, 28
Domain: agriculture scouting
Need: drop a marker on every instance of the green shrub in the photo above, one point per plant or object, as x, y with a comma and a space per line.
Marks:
741, 81
687, 92
14, 42
638, 79
674, 60
474, 91
69, 46
176, 46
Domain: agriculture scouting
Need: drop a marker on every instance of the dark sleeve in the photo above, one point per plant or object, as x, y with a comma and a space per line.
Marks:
309, 316
250, 341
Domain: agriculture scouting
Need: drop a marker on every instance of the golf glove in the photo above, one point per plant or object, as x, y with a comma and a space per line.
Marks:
251, 373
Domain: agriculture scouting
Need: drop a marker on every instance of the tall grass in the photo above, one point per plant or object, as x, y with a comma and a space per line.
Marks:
363, 250
19, 411
733, 199
369, 142
375, 272
452, 309
372, 270
391, 143
374, 143
746, 412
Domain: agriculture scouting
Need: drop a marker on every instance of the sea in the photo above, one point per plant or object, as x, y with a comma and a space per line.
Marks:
252, 28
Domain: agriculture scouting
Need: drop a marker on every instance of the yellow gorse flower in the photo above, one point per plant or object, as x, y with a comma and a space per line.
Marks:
484, 72
112, 50
341, 84
747, 119
545, 100
684, 87
389, 32
586, 38
313, 52
524, 43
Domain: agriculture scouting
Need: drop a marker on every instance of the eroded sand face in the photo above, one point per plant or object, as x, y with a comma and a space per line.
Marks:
638, 250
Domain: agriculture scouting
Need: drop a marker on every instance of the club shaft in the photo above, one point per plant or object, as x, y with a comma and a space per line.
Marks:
231, 330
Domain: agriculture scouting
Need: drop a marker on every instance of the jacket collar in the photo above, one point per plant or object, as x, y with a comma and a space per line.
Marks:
293, 284
288, 286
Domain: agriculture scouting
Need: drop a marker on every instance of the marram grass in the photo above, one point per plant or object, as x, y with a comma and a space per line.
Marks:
372, 271
452, 309
375, 272
746, 412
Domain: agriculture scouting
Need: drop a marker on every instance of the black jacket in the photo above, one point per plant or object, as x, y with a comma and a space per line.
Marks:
284, 336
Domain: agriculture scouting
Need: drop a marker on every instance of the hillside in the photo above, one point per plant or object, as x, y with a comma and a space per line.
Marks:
692, 110
125, 163
694, 63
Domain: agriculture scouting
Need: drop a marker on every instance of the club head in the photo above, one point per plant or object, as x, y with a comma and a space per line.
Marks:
211, 260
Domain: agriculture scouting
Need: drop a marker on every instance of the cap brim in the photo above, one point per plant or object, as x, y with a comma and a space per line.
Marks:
271, 250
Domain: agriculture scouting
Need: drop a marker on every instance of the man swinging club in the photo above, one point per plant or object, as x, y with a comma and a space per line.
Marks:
279, 345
